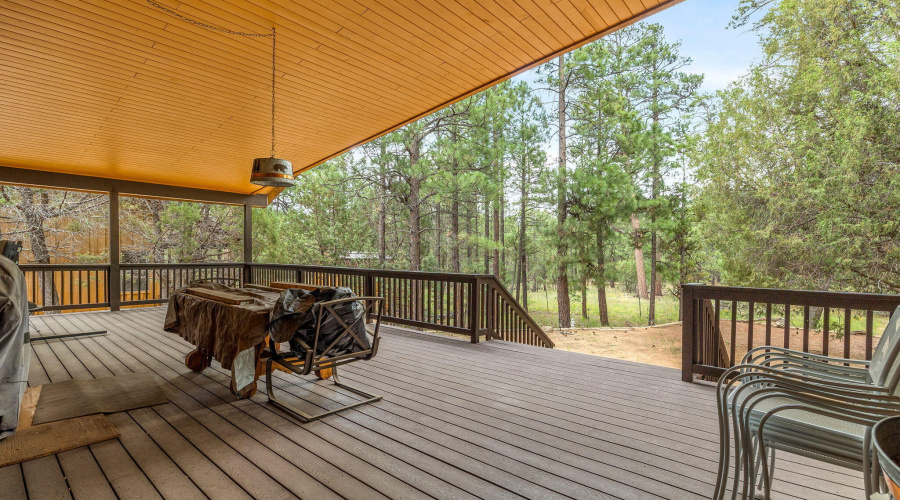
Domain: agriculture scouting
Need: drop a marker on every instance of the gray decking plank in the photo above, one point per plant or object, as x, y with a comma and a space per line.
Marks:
165, 475
123, 474
12, 482
45, 479
84, 475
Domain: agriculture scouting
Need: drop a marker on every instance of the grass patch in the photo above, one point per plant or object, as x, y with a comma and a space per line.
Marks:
623, 308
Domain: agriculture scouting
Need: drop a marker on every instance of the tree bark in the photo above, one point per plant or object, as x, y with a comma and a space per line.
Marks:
584, 311
601, 282
562, 272
496, 256
382, 223
639, 257
487, 234
415, 218
523, 205
454, 234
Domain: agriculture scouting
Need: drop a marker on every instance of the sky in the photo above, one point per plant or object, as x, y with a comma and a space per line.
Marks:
720, 53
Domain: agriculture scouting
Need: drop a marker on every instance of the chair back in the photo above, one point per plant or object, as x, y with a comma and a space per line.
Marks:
884, 370
348, 326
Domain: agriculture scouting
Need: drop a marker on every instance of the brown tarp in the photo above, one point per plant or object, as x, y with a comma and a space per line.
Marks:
220, 329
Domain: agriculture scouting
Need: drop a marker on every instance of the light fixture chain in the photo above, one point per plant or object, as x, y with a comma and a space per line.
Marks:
204, 25
231, 32
272, 152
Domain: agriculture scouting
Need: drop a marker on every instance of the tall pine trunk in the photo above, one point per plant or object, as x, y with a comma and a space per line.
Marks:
562, 250
454, 234
521, 280
601, 282
639, 257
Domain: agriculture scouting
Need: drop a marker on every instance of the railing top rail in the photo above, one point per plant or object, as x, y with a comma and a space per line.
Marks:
388, 273
180, 265
60, 267
851, 300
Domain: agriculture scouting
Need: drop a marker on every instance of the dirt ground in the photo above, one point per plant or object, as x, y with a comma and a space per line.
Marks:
662, 345
656, 346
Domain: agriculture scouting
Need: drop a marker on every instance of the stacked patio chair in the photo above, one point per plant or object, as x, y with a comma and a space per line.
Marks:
815, 406
325, 329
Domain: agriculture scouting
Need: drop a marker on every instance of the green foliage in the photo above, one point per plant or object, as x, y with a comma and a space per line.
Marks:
798, 166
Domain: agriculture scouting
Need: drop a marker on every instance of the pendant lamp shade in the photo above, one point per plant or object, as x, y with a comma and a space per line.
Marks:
273, 172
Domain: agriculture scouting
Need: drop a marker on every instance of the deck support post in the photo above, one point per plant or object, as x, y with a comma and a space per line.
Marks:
474, 308
688, 332
114, 279
248, 242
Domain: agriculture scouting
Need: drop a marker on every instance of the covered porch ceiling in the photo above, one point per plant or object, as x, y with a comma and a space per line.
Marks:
120, 89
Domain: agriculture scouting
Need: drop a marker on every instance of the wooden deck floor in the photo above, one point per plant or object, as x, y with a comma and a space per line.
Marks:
492, 421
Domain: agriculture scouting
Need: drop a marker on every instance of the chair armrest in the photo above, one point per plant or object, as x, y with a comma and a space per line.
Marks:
747, 372
800, 354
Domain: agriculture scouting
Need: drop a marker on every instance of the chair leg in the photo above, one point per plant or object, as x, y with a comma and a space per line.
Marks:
307, 417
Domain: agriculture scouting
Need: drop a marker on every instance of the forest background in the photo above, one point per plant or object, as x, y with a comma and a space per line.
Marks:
603, 182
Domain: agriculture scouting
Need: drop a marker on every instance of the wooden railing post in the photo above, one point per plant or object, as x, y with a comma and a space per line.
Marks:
688, 332
474, 308
248, 242
369, 291
114, 280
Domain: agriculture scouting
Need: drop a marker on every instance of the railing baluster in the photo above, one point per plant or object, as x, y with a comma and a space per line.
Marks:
847, 317
826, 323
805, 328
869, 333
750, 307
787, 326
733, 331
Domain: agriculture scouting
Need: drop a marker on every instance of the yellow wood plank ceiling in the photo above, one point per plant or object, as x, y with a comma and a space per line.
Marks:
120, 89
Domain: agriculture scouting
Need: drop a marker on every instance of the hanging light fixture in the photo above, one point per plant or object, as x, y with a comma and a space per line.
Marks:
271, 171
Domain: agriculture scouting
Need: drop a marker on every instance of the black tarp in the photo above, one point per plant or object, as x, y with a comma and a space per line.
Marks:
297, 311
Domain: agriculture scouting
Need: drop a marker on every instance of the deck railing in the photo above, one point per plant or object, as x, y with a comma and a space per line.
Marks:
720, 324
476, 306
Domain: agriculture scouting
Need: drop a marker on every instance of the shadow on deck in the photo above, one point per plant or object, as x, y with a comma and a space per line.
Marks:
494, 420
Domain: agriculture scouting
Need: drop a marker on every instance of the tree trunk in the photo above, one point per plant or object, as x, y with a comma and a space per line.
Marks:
496, 256
584, 279
503, 269
415, 218
487, 234
454, 234
601, 282
639, 257
562, 273
523, 197
382, 225
437, 237
454, 205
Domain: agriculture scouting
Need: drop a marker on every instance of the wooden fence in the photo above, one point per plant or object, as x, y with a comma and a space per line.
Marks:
720, 324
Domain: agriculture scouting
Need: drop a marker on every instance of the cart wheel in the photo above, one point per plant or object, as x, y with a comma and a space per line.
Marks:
196, 361
324, 373
248, 392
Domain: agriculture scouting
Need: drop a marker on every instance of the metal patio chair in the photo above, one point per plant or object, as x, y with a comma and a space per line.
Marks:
807, 404
304, 359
